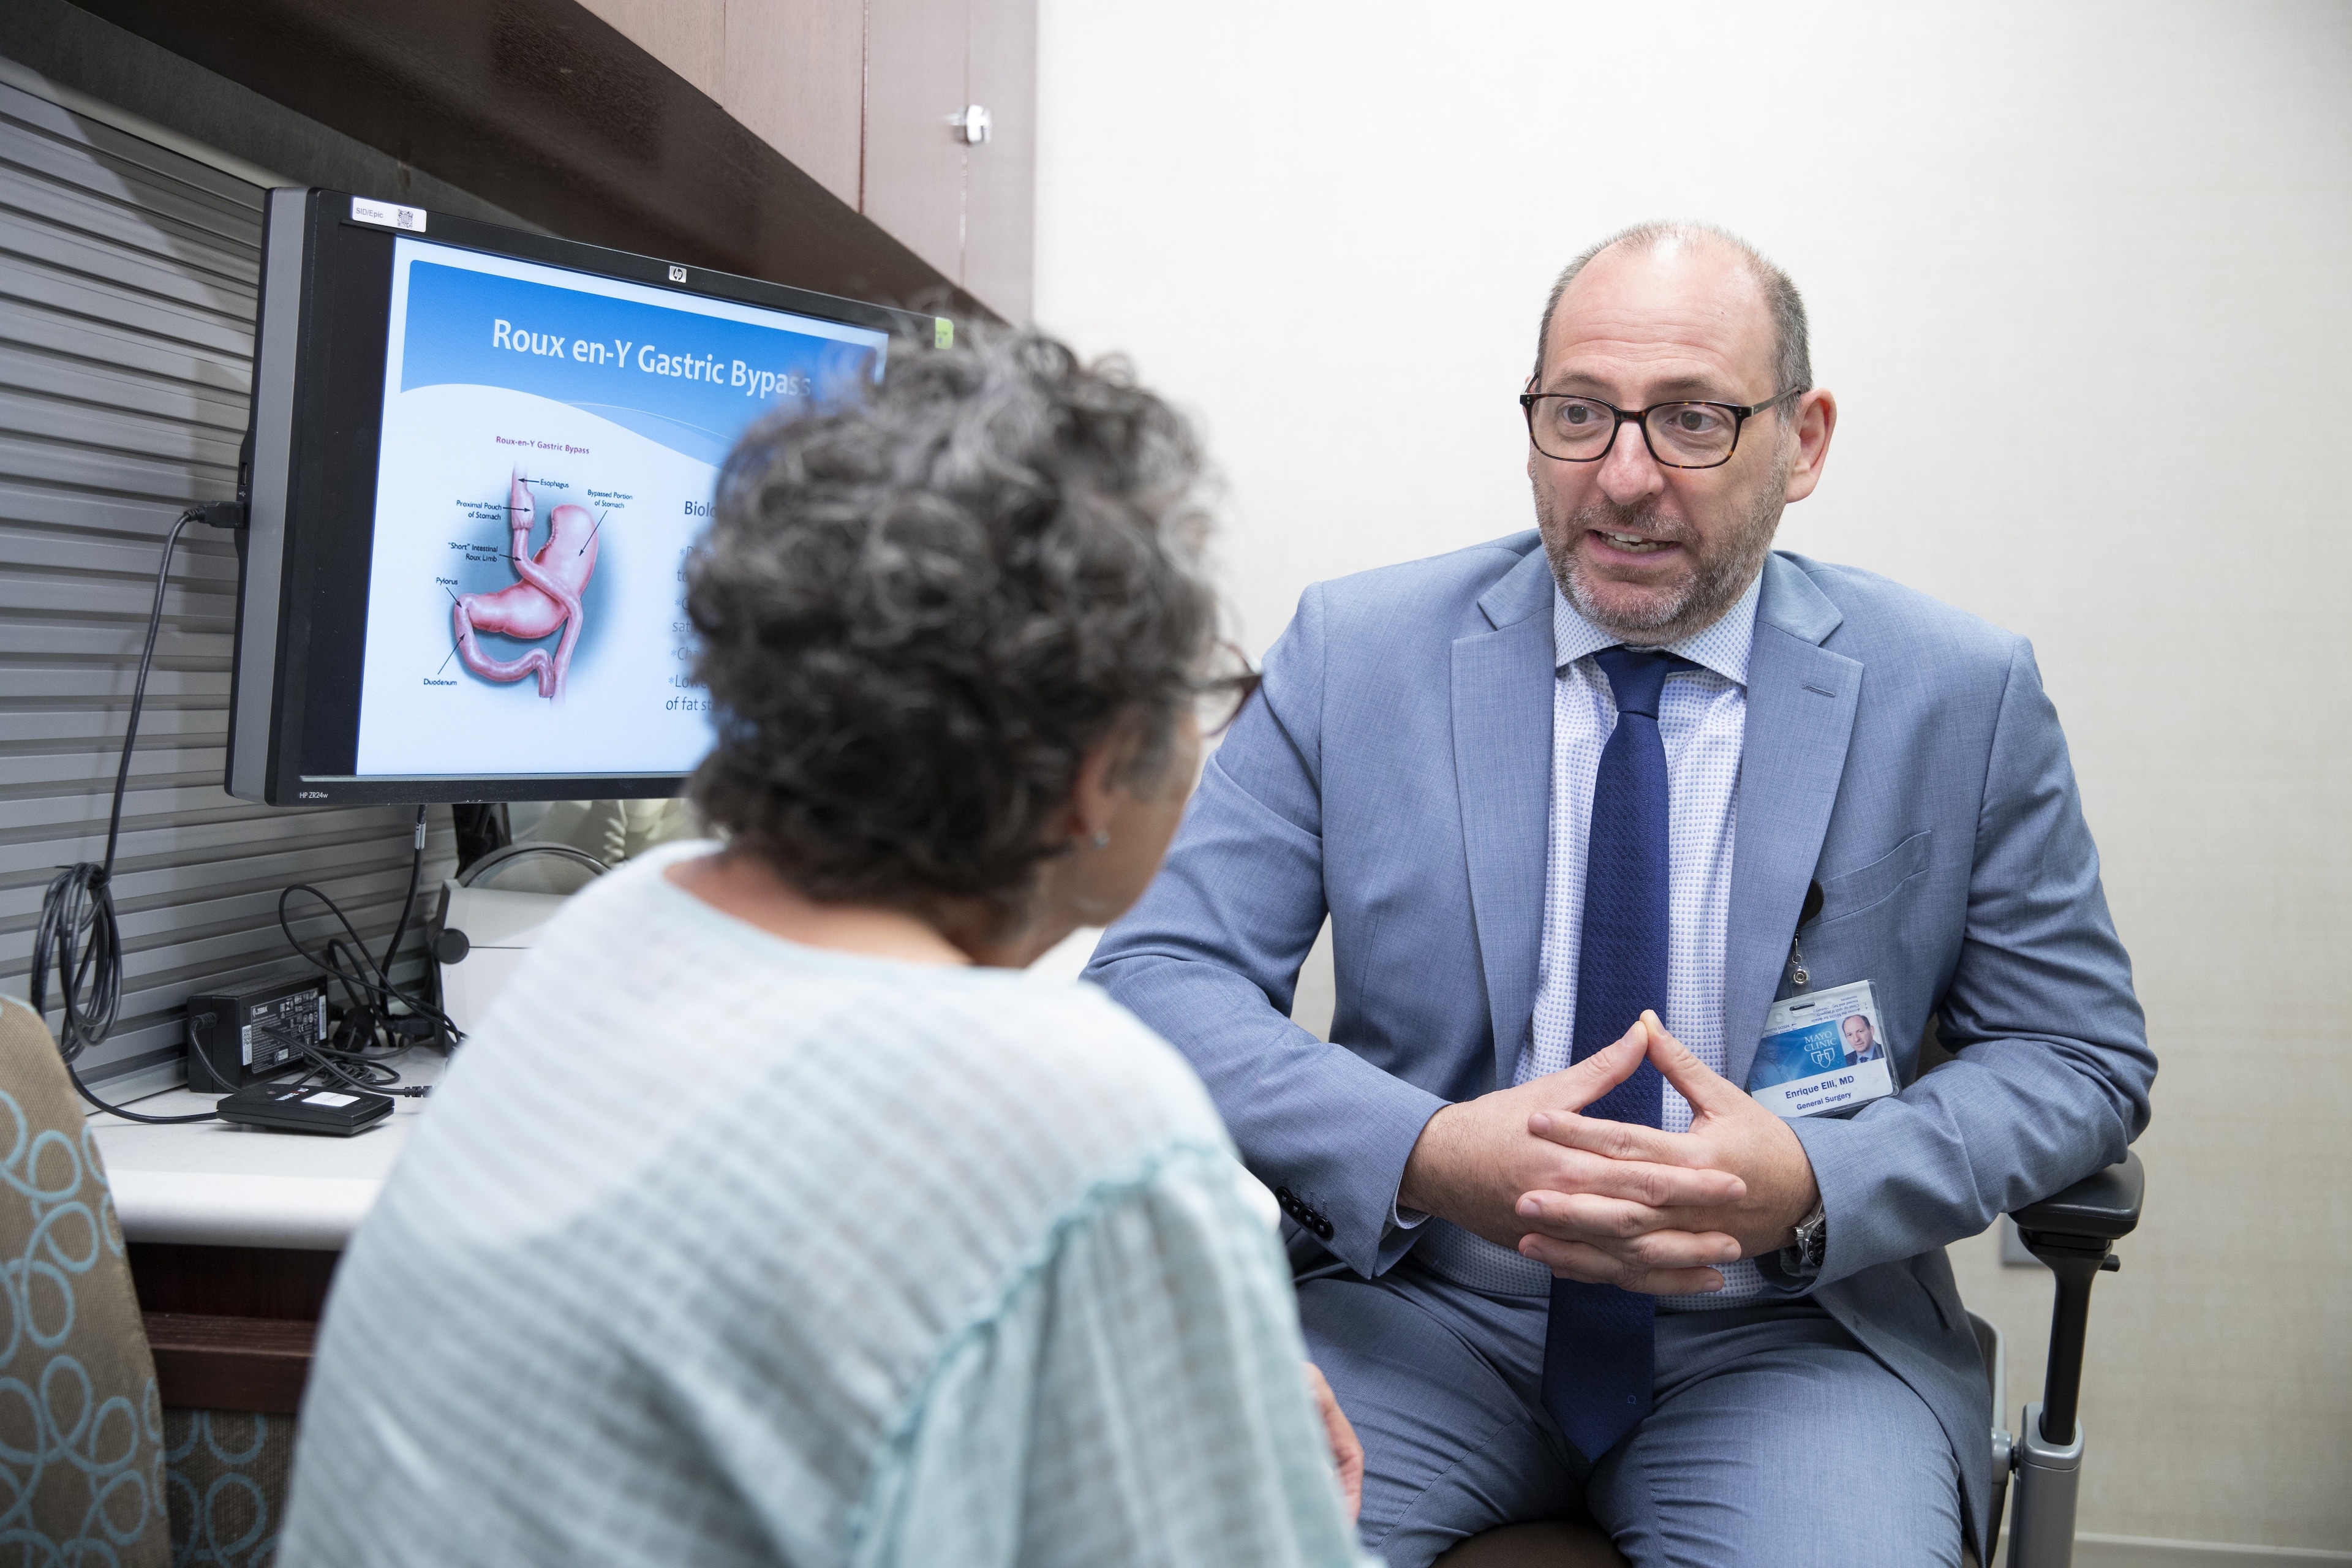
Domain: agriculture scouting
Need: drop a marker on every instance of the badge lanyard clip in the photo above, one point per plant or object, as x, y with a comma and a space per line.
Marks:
1797, 973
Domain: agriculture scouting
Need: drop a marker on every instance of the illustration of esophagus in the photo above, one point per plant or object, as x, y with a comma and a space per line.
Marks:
546, 597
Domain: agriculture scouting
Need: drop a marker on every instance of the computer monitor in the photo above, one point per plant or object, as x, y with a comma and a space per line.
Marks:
478, 459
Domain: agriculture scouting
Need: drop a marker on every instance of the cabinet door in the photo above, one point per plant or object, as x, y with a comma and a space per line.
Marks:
795, 75
688, 36
864, 95
915, 77
966, 208
999, 225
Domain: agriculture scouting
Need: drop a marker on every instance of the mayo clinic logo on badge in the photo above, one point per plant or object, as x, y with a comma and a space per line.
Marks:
1808, 1062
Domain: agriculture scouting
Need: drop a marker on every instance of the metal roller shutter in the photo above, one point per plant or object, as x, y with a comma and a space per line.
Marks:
128, 274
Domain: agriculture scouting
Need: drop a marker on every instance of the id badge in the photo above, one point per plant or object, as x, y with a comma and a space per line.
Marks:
1822, 1051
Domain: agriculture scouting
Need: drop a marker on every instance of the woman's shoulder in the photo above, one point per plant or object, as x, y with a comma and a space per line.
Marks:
1074, 1057
1022, 1072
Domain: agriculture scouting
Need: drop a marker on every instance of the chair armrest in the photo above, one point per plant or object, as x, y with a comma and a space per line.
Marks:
2101, 1206
2071, 1231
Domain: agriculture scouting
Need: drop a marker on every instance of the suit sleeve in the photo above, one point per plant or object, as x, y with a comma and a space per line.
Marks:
2053, 1067
1209, 959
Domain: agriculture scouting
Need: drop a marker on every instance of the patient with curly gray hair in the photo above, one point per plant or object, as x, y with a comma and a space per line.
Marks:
775, 1214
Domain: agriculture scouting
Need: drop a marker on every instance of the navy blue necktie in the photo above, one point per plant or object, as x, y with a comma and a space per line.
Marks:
1597, 1345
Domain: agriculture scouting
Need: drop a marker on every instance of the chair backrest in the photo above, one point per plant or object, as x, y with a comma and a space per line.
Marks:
81, 1422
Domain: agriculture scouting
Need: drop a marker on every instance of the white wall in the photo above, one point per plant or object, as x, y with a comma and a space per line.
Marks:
2079, 276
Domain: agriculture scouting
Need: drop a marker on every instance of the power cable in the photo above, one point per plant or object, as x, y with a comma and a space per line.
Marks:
79, 938
78, 925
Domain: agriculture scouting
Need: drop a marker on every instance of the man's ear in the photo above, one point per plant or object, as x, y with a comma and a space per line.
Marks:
1814, 421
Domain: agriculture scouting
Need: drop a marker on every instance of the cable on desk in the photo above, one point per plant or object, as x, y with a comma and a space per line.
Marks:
79, 938
356, 1068
352, 977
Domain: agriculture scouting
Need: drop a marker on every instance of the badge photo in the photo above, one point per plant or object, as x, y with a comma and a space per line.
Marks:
1824, 1051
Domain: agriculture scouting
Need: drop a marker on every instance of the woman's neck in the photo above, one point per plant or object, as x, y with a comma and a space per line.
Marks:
753, 891
965, 931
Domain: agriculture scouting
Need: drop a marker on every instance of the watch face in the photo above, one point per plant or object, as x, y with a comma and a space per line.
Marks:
1812, 1239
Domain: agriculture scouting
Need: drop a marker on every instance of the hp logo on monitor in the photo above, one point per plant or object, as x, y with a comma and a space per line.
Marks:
678, 274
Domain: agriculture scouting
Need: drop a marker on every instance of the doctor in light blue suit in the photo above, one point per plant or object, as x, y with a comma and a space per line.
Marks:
1581, 804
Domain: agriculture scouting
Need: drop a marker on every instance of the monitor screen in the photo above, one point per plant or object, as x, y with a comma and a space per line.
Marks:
551, 441
478, 467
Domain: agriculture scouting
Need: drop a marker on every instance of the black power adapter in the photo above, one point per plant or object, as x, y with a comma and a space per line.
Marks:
304, 1107
239, 1037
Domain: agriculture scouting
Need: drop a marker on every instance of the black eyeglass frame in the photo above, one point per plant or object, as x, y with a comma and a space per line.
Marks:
1237, 688
1639, 419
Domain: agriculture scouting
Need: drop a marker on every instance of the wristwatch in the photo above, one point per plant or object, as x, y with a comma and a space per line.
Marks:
1813, 1240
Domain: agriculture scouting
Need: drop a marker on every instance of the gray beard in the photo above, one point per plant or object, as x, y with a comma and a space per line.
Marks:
1715, 587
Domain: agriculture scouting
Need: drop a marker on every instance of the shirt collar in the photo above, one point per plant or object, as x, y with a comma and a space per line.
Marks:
1721, 647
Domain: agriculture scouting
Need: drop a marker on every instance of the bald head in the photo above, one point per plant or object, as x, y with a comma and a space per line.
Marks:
1777, 294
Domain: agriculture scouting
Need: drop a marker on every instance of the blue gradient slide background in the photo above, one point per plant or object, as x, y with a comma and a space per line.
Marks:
643, 367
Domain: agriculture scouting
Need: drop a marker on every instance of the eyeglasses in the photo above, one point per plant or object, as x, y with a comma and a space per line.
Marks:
1679, 434
1225, 689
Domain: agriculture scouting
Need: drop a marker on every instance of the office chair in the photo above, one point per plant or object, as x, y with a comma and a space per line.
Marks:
94, 1465
2073, 1232
81, 1439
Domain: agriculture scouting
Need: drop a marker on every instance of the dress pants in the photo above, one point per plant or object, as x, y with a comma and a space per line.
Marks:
1775, 1438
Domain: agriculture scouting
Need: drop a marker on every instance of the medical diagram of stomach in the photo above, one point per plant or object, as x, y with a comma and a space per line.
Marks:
544, 600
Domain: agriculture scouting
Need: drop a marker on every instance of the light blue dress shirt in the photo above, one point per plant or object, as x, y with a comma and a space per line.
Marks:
1703, 722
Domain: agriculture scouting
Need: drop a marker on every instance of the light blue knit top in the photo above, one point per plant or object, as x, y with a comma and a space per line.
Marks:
716, 1249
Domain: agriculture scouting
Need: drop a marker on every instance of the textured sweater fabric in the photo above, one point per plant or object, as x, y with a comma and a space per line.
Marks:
717, 1249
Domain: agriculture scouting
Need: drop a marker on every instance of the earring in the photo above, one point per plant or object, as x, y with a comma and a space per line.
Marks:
1101, 841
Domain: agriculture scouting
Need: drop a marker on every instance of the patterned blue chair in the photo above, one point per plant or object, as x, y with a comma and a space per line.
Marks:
228, 1473
81, 1419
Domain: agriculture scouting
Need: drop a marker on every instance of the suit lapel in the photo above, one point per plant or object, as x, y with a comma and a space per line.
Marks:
1800, 707
1502, 768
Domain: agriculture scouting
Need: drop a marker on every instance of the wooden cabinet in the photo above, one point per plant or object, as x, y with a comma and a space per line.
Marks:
864, 96
917, 52
967, 208
232, 1328
793, 71
1000, 183
734, 135
807, 141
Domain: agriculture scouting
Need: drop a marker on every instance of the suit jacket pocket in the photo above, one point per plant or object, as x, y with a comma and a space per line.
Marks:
1850, 893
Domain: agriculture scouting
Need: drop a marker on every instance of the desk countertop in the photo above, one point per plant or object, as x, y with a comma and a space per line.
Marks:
213, 1183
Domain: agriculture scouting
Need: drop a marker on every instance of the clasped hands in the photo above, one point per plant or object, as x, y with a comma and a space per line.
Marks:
1614, 1203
